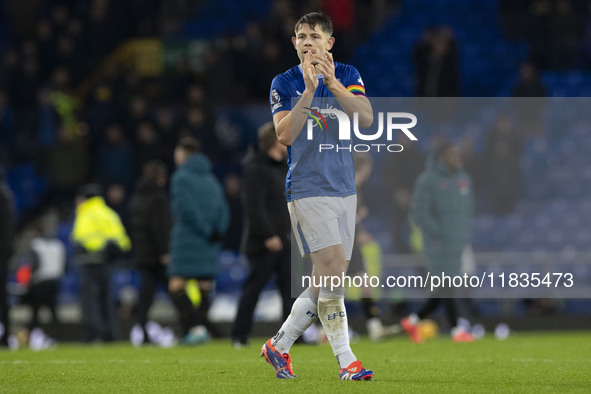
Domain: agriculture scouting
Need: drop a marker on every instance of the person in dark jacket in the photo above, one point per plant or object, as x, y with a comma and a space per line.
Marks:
7, 223
200, 218
149, 229
267, 229
442, 206
436, 64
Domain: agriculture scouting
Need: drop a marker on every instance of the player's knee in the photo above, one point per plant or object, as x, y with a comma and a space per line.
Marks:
330, 259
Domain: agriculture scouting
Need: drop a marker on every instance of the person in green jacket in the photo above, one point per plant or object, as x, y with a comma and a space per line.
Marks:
442, 207
200, 218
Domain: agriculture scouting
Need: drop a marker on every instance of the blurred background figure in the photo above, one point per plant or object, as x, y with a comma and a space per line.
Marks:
529, 84
366, 257
436, 63
114, 158
529, 116
200, 219
442, 207
267, 234
100, 239
399, 174
7, 223
474, 165
116, 199
233, 191
48, 262
149, 228
503, 169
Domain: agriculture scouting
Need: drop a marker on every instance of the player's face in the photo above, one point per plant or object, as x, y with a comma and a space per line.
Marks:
312, 40
180, 156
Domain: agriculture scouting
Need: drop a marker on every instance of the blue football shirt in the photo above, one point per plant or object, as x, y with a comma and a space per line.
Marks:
312, 173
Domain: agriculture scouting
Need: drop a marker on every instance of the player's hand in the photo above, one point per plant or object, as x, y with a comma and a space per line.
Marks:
326, 66
274, 244
310, 78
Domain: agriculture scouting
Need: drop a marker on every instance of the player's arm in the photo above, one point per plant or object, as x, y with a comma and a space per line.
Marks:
288, 124
352, 102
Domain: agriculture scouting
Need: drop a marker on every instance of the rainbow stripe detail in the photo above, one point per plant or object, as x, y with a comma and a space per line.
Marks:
318, 117
358, 90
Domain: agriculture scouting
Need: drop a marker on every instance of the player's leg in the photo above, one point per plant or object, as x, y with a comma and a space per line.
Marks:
357, 267
35, 301
458, 333
206, 287
316, 229
147, 291
184, 306
260, 272
89, 292
332, 262
283, 279
4, 315
304, 311
111, 322
182, 303
51, 291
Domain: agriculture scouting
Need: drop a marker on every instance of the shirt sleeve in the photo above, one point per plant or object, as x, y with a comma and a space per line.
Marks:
279, 98
353, 82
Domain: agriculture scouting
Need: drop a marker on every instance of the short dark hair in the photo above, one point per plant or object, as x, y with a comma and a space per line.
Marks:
315, 18
267, 136
90, 190
190, 145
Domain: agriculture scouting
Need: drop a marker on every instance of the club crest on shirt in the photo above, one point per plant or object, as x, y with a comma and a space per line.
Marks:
275, 100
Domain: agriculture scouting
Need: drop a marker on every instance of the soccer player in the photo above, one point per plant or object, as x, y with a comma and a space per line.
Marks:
322, 208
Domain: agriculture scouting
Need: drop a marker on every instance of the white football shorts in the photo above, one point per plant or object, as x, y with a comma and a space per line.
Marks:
320, 222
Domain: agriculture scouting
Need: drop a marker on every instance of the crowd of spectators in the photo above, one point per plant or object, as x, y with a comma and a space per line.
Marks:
62, 102
557, 31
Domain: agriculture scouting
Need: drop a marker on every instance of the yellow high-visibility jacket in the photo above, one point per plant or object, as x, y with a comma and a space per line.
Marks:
96, 224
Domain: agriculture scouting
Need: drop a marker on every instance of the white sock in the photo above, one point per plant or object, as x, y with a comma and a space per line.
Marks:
333, 316
304, 312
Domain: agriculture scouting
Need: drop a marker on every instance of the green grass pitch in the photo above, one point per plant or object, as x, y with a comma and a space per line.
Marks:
524, 363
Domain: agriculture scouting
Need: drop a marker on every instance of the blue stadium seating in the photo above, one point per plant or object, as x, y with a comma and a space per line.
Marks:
487, 60
218, 18
26, 185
